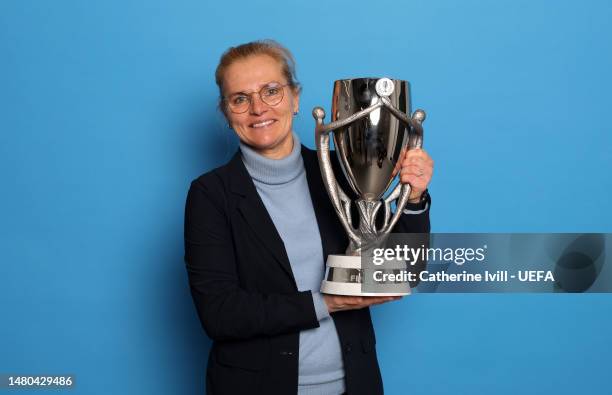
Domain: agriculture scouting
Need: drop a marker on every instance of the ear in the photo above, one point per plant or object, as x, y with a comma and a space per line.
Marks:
296, 101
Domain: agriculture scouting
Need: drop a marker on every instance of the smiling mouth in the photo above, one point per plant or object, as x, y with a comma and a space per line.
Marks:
263, 124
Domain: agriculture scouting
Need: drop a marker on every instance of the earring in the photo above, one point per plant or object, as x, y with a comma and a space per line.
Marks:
295, 113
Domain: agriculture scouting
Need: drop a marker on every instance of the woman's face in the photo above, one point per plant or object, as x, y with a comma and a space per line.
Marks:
266, 128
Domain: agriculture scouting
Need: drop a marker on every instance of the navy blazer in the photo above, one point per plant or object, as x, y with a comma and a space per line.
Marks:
245, 293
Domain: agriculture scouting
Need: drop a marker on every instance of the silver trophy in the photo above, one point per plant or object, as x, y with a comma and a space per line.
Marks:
372, 132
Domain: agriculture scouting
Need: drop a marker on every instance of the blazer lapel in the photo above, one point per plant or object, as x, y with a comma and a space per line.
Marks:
255, 214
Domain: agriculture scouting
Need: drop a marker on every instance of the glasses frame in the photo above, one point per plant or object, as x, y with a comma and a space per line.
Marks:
250, 96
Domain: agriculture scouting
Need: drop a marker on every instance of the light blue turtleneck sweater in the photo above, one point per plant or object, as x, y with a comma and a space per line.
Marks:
283, 188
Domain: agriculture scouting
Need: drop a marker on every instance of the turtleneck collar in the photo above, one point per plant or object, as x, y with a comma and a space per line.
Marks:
273, 171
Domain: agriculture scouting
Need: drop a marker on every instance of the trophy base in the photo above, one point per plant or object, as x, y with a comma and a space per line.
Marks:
345, 276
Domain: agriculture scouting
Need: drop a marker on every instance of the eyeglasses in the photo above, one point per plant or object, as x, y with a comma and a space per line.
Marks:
271, 94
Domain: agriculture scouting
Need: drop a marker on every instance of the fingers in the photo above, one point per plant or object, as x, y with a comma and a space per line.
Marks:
417, 156
416, 169
418, 159
358, 302
417, 178
417, 152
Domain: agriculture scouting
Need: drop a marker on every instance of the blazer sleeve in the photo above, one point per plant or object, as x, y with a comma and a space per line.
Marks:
227, 311
415, 218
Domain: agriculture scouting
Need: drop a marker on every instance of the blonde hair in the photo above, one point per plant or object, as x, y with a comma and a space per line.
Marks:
260, 47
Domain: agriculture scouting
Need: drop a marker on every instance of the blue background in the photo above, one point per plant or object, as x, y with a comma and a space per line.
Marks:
107, 111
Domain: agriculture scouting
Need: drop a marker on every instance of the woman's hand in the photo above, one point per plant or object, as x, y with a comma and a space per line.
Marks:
416, 170
341, 302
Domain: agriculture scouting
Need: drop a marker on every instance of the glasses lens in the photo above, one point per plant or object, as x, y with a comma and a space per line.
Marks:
271, 94
238, 103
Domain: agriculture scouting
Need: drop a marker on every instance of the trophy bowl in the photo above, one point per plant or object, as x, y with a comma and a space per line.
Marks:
369, 148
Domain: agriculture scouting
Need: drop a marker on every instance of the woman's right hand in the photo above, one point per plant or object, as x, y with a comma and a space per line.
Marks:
341, 302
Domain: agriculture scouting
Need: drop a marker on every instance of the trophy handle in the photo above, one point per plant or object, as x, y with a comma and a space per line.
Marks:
339, 199
319, 114
401, 192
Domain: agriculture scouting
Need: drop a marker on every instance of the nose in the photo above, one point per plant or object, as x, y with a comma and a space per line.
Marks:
257, 106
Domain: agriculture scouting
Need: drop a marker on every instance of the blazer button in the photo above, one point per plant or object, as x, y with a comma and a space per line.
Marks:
348, 348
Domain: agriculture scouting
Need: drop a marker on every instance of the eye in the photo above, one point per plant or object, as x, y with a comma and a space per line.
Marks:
238, 99
271, 91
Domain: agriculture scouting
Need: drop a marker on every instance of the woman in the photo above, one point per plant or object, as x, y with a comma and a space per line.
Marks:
257, 232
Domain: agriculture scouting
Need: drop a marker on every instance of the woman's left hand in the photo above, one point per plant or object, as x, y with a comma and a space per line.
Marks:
416, 170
